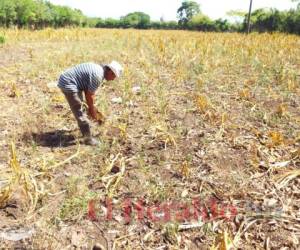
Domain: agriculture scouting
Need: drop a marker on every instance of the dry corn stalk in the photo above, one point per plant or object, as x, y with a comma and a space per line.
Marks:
202, 103
162, 133
275, 138
245, 93
287, 177
114, 182
123, 130
281, 109
14, 92
109, 166
67, 160
223, 242
19, 179
185, 169
58, 98
291, 85
6, 192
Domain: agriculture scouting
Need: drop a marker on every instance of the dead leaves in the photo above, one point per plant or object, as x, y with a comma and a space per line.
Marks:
223, 242
100, 117
20, 183
245, 94
14, 91
202, 103
281, 110
275, 139
185, 169
58, 98
284, 179
160, 132
112, 182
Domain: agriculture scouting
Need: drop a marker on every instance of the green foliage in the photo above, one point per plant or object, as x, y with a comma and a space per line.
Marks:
204, 23
270, 20
38, 14
2, 39
293, 21
8, 14
172, 25
201, 22
91, 22
75, 207
111, 23
138, 20
187, 10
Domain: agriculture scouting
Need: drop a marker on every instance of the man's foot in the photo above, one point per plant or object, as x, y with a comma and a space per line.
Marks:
92, 141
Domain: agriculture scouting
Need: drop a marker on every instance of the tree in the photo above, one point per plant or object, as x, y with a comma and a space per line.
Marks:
138, 20
43, 14
111, 23
292, 21
65, 16
92, 22
38, 14
8, 14
201, 22
222, 25
187, 10
268, 20
25, 10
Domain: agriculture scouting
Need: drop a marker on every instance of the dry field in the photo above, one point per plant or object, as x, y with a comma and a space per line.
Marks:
217, 119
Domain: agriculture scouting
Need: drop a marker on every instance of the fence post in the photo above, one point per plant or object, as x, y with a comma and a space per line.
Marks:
249, 16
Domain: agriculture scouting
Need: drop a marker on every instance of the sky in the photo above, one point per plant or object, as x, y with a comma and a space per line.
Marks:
166, 8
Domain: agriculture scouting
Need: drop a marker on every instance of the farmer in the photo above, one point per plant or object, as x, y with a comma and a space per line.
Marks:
86, 77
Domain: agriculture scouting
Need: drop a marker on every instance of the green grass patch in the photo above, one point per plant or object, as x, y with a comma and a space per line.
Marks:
2, 39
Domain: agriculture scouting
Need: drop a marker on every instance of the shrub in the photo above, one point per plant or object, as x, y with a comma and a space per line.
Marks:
2, 39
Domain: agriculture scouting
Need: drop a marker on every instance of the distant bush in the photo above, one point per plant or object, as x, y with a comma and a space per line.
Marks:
2, 39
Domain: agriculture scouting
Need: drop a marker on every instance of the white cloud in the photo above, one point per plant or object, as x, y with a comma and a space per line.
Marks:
166, 8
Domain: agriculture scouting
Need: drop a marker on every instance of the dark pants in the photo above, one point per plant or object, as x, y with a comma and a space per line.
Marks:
75, 101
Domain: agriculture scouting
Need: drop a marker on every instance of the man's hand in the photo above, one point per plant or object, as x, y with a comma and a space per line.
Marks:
97, 116
92, 114
92, 111
90, 97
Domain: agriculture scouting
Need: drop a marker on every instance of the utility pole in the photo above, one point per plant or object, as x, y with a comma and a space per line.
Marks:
249, 16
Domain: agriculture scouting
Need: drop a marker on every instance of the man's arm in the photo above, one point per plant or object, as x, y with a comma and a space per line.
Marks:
90, 97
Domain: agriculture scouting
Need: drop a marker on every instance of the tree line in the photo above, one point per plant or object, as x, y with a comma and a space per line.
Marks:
38, 14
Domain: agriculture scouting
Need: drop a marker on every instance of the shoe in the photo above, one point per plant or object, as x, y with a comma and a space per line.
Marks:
92, 141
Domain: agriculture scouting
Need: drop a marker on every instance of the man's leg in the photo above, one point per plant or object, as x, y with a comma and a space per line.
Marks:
75, 102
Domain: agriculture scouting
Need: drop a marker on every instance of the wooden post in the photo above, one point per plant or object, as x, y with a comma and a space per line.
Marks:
249, 16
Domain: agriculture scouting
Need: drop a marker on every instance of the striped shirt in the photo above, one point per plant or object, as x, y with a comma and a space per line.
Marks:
85, 76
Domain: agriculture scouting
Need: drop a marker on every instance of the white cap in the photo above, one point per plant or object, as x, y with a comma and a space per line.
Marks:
116, 68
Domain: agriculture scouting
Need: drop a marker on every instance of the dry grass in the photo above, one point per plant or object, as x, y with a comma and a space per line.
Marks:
217, 115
